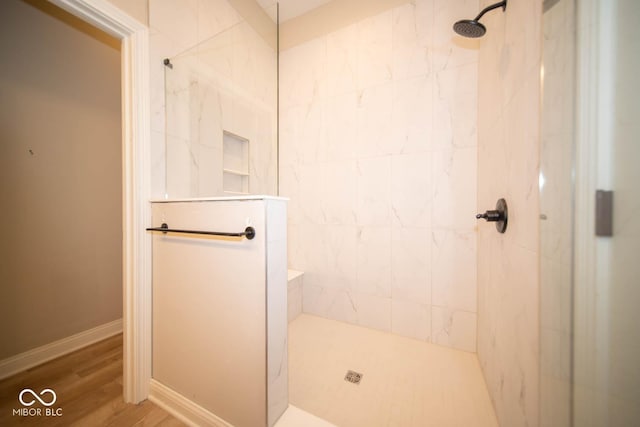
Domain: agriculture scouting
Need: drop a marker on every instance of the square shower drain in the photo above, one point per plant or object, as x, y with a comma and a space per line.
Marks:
353, 377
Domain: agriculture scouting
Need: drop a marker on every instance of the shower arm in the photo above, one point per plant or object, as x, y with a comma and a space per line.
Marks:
502, 4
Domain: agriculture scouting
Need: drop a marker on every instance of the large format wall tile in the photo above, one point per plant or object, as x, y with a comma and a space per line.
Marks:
374, 50
410, 247
508, 166
374, 191
453, 328
412, 41
454, 270
378, 155
412, 115
411, 190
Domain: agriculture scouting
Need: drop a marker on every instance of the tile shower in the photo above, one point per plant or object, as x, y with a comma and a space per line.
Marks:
378, 148
381, 156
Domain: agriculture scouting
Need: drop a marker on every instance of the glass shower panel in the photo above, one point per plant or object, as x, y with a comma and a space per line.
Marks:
221, 103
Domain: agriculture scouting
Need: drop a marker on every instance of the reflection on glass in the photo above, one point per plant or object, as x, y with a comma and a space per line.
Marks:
224, 88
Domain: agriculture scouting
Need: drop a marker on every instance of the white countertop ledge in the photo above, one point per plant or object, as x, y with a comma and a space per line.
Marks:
220, 199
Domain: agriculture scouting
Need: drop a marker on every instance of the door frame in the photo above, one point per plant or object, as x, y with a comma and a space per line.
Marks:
595, 23
136, 256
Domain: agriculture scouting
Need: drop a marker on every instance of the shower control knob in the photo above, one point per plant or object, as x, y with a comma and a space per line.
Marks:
490, 216
499, 215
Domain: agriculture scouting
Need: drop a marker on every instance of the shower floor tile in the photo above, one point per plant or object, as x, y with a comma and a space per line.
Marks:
404, 382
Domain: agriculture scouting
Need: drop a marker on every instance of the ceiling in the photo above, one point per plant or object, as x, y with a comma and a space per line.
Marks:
290, 8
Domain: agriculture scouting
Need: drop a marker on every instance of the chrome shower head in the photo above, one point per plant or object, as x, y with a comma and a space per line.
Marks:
472, 27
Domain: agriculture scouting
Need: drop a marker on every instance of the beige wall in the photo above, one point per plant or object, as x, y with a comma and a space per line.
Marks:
330, 17
257, 19
60, 160
138, 9
508, 158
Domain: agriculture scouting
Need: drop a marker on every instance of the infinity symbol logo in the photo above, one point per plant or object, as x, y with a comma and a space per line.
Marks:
36, 397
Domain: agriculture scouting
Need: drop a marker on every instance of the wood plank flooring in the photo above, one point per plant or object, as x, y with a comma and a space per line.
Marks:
88, 384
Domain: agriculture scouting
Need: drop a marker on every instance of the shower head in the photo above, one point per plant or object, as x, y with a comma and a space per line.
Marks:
469, 28
472, 27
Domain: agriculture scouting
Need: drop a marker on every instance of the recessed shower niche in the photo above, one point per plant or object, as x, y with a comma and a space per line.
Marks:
235, 162
221, 100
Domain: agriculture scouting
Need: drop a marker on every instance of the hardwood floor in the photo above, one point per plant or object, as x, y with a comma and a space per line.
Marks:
88, 385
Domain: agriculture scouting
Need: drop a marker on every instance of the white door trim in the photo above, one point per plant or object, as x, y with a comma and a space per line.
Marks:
136, 186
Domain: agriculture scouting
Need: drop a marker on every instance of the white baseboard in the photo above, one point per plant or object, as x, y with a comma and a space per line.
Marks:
182, 408
45, 353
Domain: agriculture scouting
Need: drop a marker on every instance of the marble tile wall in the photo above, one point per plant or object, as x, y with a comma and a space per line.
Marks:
508, 166
294, 294
378, 155
213, 87
556, 204
277, 310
